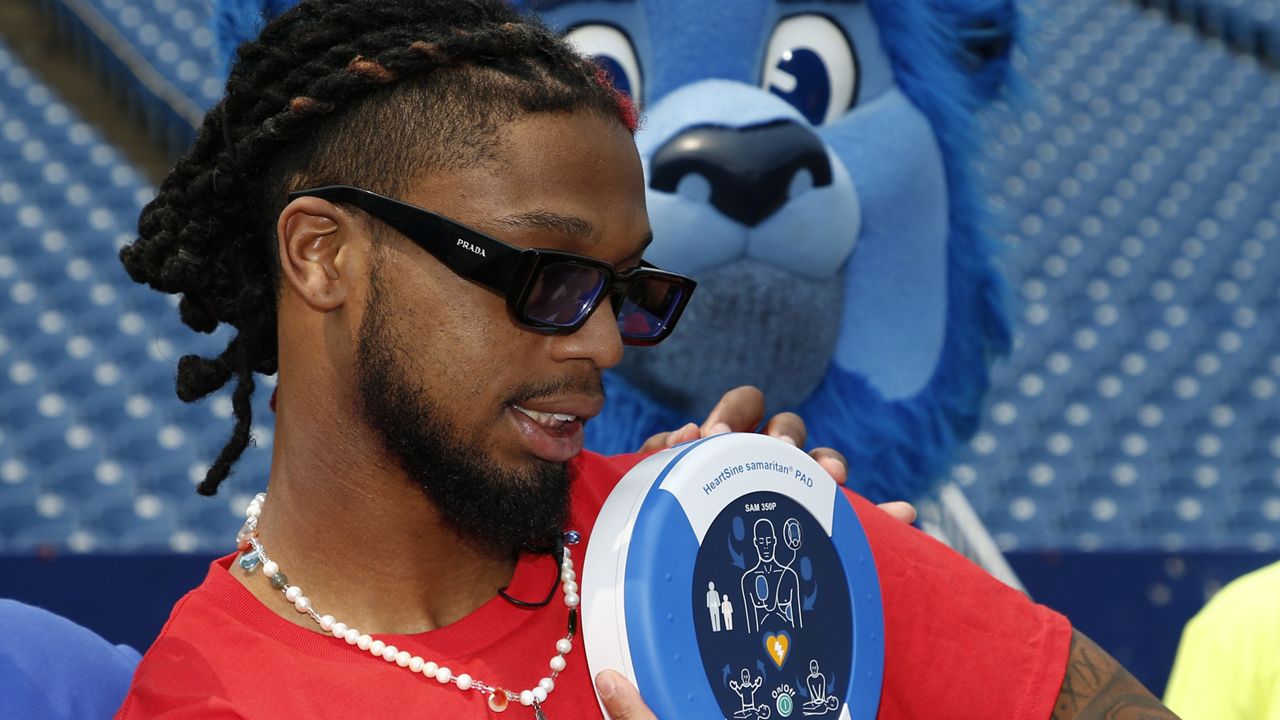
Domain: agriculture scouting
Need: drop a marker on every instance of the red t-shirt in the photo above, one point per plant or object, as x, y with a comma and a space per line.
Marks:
960, 645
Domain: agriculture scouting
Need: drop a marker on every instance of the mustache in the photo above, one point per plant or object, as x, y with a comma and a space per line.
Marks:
589, 383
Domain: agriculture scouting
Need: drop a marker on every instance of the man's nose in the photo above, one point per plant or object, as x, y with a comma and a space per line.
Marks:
598, 340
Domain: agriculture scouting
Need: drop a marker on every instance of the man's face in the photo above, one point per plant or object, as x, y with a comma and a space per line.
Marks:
765, 540
481, 412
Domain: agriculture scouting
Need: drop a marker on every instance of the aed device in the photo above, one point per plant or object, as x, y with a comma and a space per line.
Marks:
729, 577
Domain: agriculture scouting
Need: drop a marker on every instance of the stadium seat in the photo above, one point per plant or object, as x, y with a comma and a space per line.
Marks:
17, 485
45, 521
135, 523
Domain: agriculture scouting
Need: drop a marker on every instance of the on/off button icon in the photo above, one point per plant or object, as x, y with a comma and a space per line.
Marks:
782, 699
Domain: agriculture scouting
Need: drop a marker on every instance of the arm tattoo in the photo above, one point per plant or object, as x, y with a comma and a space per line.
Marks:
1096, 687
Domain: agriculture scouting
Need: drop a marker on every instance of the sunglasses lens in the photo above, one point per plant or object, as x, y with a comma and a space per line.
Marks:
645, 311
563, 294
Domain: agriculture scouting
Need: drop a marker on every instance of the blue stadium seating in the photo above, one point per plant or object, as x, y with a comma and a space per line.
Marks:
1135, 184
1138, 194
1251, 25
158, 55
28, 525
96, 453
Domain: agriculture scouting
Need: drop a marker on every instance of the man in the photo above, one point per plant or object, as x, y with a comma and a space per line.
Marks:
1227, 667
817, 704
34, 688
770, 588
746, 690
713, 606
359, 207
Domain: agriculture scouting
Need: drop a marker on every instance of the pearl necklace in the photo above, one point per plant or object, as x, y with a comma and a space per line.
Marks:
254, 555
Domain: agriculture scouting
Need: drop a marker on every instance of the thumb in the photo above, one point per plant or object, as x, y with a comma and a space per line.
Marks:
620, 698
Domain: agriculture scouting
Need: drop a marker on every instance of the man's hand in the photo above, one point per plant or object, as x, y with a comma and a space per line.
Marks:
742, 410
621, 699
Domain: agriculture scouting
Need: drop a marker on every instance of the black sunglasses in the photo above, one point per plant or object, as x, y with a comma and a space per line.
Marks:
547, 291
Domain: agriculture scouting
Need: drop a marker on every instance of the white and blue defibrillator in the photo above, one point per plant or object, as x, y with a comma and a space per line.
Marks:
730, 578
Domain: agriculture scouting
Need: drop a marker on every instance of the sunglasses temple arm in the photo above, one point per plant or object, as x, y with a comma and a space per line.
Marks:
475, 256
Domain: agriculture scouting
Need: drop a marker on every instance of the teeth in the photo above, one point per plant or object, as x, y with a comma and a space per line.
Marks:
551, 420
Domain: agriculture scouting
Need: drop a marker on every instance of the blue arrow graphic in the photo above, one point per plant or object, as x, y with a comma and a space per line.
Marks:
737, 558
810, 599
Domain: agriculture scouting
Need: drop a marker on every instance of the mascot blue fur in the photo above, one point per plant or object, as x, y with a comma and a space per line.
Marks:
809, 163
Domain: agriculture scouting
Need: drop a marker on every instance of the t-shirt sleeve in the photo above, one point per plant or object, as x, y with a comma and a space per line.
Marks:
1226, 667
959, 643
177, 682
197, 709
36, 681
1205, 683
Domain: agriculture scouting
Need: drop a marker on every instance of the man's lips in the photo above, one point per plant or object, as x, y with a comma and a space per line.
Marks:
551, 421
551, 428
555, 412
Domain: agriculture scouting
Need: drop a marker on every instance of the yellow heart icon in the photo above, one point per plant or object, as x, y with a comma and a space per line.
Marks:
777, 647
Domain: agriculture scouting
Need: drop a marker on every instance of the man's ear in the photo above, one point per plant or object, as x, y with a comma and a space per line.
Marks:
316, 252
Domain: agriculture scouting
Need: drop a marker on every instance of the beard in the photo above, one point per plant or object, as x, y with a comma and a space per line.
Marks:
497, 508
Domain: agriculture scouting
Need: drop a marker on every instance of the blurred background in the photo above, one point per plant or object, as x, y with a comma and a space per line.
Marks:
1129, 461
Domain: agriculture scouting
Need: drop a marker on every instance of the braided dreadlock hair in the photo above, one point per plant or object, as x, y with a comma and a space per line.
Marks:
371, 93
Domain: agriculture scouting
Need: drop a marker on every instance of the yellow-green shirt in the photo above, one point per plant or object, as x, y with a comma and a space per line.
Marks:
1228, 663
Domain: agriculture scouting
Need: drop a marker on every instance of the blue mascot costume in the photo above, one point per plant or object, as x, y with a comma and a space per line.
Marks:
809, 164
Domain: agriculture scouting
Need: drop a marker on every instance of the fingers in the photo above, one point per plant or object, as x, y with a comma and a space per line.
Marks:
656, 442
789, 427
833, 462
684, 434
740, 410
903, 512
670, 438
620, 698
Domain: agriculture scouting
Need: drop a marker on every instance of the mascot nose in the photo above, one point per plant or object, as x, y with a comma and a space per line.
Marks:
750, 169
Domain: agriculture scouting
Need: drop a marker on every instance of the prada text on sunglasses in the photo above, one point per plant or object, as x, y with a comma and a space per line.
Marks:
547, 291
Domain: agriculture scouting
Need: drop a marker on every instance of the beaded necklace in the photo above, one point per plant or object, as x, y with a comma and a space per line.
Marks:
254, 556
